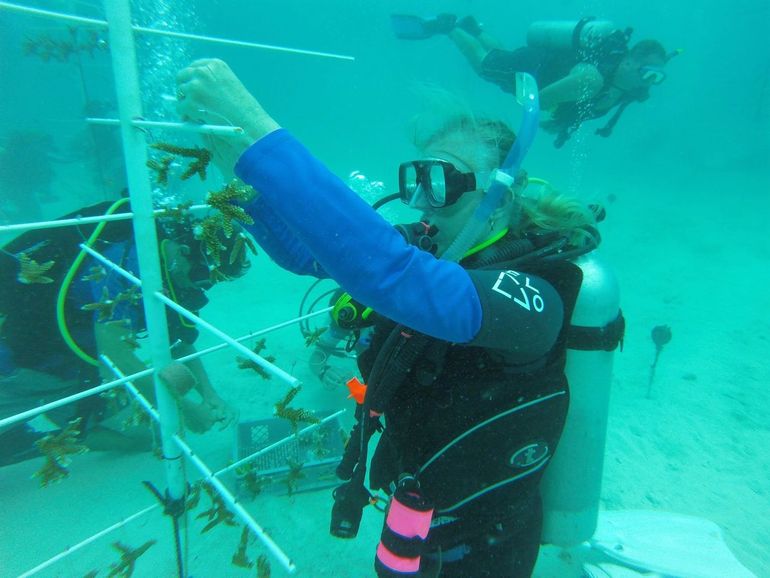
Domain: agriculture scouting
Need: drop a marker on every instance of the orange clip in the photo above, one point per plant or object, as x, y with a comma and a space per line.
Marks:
357, 389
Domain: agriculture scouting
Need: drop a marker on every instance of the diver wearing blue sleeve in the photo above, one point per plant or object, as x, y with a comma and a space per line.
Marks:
466, 363
352, 244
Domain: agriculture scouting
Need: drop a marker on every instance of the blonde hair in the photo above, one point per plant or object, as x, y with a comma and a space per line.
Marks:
552, 211
548, 211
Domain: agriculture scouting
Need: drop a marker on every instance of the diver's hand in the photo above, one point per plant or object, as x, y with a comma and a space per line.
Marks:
178, 378
208, 91
224, 414
201, 417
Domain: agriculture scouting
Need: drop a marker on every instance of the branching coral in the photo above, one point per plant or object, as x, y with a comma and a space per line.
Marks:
33, 272
201, 158
161, 167
217, 513
250, 480
49, 47
57, 449
294, 416
124, 568
105, 307
244, 363
263, 567
222, 201
314, 336
241, 558
292, 478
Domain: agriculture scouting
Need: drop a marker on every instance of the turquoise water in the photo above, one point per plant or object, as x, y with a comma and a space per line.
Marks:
684, 179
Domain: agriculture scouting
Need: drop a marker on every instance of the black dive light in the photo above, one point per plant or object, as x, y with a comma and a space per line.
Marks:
350, 499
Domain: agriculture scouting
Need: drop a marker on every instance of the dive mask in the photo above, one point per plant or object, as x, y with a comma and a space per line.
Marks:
652, 74
434, 183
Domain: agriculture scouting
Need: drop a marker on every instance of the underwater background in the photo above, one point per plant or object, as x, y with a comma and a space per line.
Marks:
685, 181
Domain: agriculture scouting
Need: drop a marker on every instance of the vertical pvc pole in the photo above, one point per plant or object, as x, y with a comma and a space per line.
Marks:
135, 149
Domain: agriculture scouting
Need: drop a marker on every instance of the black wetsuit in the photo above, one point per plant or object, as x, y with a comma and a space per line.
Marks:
478, 531
548, 66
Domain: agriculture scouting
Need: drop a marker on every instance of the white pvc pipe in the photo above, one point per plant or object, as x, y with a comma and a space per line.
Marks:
256, 358
52, 15
171, 33
241, 43
222, 130
30, 413
87, 541
75, 221
233, 504
125, 70
254, 334
220, 488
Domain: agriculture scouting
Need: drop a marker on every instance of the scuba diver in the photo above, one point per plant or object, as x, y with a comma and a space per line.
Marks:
464, 374
61, 309
584, 69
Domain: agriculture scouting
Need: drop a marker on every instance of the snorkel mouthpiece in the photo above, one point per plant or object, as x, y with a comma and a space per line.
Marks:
503, 178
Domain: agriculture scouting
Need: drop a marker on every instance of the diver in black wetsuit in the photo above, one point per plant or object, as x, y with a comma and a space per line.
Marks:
45, 357
584, 69
467, 359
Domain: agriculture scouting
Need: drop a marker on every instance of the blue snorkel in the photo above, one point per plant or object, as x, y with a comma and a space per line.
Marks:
503, 178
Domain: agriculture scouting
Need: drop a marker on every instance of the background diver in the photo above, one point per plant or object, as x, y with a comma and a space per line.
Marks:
45, 356
584, 69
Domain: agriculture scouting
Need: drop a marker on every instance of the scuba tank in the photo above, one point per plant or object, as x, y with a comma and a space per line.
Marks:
569, 35
571, 486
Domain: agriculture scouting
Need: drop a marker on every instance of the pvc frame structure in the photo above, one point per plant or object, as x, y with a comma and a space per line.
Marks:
121, 33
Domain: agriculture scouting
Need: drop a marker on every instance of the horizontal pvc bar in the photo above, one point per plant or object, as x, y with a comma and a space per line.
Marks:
242, 43
254, 334
258, 359
30, 413
220, 488
87, 541
237, 509
85, 220
54, 15
277, 444
222, 130
146, 30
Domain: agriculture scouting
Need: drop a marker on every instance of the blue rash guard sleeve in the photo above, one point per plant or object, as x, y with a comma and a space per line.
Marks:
356, 247
278, 241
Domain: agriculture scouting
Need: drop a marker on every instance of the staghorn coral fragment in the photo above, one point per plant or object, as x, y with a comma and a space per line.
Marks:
238, 252
223, 199
314, 336
240, 558
179, 213
217, 513
161, 167
208, 233
252, 482
294, 416
33, 272
124, 568
201, 158
105, 308
57, 449
263, 567
244, 363
292, 478
96, 273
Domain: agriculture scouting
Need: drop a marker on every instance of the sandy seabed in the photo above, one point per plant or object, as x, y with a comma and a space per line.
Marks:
697, 445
